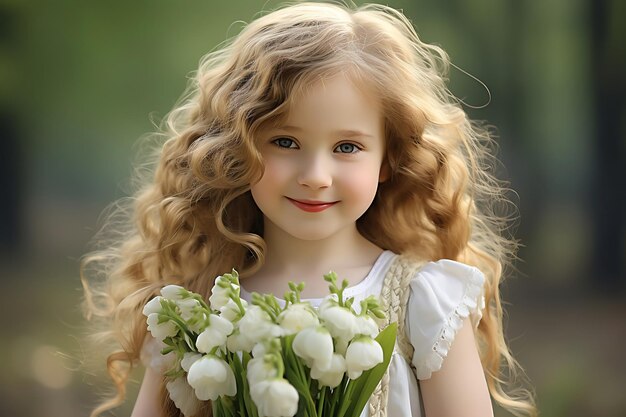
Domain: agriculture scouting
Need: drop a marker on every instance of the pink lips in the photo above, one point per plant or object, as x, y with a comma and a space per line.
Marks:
312, 206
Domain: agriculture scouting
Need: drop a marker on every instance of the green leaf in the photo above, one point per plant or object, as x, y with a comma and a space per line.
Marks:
367, 382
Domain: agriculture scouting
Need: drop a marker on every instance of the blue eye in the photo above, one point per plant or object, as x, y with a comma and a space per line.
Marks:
285, 143
347, 148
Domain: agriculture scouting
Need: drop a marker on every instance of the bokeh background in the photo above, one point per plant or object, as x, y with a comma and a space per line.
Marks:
81, 81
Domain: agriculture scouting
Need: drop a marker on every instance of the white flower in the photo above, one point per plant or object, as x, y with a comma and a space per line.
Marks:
183, 396
315, 346
237, 342
259, 370
339, 321
297, 317
152, 306
363, 353
151, 356
215, 334
275, 398
366, 325
173, 292
211, 377
187, 307
160, 330
189, 358
220, 293
230, 311
259, 350
333, 375
341, 345
254, 326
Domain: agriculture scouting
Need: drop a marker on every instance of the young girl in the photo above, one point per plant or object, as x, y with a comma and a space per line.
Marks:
324, 138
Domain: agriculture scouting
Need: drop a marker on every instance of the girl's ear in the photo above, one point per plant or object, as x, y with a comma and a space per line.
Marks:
385, 171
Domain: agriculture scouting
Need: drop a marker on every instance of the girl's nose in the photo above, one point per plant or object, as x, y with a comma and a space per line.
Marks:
315, 173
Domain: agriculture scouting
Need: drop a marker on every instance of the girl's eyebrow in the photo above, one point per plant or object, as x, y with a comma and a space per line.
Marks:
350, 133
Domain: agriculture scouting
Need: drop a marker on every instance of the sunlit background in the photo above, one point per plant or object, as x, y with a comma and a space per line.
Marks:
81, 81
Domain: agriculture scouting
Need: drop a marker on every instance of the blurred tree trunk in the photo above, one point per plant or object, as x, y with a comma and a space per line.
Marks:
10, 187
609, 184
11, 181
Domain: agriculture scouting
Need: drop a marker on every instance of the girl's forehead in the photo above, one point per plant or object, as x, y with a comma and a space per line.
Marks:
347, 80
332, 105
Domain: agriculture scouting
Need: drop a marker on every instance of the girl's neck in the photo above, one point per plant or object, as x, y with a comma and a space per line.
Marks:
291, 259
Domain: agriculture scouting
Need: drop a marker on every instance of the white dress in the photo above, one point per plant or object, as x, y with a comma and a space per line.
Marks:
442, 294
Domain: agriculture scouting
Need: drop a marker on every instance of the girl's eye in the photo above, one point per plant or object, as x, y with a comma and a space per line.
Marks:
285, 143
347, 148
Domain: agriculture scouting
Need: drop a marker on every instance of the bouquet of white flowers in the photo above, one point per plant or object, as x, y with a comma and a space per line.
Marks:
268, 359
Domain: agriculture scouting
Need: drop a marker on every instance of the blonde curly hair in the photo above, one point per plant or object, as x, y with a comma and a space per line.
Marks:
193, 217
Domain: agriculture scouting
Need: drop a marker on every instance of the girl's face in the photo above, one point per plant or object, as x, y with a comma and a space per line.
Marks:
323, 166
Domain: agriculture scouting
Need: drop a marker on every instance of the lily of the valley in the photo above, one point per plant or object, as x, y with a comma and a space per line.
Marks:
340, 321
275, 398
297, 317
183, 396
366, 325
315, 346
255, 325
211, 377
260, 370
362, 354
221, 292
161, 329
332, 376
173, 292
189, 358
231, 312
215, 334
152, 306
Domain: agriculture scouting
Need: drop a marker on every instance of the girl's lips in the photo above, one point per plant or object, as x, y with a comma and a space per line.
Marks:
312, 206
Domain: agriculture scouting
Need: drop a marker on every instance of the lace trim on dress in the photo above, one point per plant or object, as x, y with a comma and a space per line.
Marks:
473, 303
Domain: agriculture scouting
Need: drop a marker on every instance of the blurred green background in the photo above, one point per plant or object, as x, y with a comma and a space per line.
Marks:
80, 82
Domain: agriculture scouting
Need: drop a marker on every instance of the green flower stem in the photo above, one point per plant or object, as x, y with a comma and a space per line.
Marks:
237, 300
180, 324
297, 376
345, 399
337, 395
260, 301
320, 401
201, 301
236, 366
